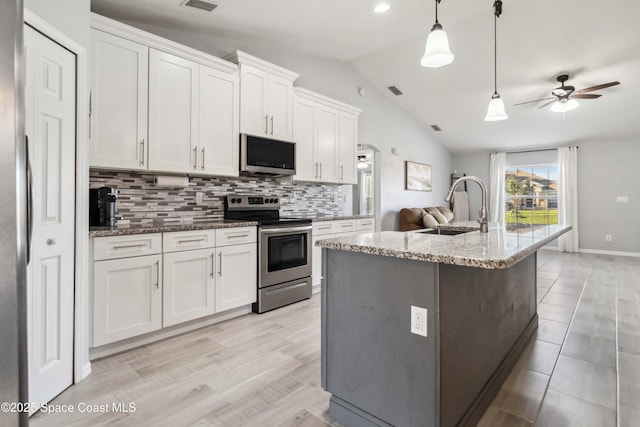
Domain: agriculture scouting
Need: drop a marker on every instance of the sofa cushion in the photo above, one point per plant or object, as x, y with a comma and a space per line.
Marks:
448, 214
437, 215
411, 219
429, 220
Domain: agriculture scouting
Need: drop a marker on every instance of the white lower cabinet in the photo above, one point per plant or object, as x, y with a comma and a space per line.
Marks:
188, 291
138, 288
236, 276
332, 229
127, 298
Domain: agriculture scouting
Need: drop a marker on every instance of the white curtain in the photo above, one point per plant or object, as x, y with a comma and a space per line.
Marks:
568, 197
496, 186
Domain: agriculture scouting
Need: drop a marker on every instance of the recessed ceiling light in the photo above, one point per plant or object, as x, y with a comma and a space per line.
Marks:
381, 7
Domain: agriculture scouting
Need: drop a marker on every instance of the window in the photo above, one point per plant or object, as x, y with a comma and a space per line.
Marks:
531, 196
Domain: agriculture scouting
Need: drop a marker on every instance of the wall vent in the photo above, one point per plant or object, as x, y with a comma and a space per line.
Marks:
394, 90
436, 128
200, 4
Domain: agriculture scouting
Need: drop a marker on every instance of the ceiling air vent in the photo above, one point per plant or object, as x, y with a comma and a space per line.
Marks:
436, 128
202, 5
394, 90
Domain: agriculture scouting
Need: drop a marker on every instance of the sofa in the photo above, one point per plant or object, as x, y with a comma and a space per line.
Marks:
411, 218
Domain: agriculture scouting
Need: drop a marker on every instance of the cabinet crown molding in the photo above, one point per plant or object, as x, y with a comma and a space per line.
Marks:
239, 57
133, 34
314, 96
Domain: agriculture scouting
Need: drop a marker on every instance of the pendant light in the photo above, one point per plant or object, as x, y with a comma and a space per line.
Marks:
437, 53
495, 112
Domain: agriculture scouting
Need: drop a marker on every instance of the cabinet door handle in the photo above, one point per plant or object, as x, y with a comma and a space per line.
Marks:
213, 268
195, 157
266, 124
199, 239
316, 174
220, 264
271, 125
90, 114
320, 170
202, 165
142, 152
341, 172
229, 236
157, 274
133, 245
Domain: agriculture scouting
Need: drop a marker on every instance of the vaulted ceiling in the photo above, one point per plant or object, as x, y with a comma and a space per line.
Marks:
592, 41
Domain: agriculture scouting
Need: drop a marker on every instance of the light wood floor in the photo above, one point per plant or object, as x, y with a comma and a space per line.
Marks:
581, 369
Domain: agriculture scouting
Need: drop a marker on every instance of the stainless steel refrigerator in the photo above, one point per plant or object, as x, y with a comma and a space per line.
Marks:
13, 216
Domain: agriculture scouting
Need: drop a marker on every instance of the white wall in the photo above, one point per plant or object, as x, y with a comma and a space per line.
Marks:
382, 124
605, 170
69, 16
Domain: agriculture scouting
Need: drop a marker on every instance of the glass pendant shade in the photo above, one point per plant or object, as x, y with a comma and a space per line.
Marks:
437, 52
562, 106
495, 112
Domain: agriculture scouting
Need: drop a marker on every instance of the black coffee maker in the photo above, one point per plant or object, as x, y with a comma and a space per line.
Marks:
102, 207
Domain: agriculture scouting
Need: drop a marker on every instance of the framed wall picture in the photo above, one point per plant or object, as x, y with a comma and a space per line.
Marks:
417, 176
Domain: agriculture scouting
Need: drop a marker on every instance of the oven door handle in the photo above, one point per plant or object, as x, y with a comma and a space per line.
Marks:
284, 230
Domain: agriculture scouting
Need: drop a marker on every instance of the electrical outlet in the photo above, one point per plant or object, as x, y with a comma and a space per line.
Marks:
419, 321
608, 237
199, 197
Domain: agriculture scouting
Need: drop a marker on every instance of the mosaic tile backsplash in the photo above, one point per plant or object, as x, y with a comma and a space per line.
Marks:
141, 201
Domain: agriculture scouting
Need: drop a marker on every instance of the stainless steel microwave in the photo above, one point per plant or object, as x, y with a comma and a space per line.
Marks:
264, 156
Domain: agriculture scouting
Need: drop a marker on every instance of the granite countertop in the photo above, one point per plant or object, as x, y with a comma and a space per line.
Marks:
166, 226
497, 249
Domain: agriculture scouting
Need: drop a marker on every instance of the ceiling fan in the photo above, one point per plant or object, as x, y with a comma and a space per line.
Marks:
564, 97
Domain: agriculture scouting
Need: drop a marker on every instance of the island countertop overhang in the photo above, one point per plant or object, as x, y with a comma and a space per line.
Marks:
497, 249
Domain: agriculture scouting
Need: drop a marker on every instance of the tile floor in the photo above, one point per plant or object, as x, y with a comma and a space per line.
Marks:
582, 368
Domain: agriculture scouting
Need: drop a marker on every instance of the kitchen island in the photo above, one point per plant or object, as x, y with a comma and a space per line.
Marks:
479, 292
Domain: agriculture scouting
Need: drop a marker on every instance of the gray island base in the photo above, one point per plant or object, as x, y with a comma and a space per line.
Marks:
481, 313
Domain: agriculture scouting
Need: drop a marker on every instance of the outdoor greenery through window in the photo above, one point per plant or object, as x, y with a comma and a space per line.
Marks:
531, 196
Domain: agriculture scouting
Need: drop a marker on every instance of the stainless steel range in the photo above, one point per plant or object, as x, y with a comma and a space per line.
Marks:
284, 250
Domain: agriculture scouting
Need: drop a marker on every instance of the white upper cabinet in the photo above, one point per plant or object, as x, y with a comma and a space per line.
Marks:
266, 97
173, 108
118, 107
188, 100
325, 131
348, 145
304, 133
219, 122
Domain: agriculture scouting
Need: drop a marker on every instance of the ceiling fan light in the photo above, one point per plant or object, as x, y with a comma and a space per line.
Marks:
437, 53
564, 105
496, 111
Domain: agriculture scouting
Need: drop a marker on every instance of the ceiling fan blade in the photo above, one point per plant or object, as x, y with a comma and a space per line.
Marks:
546, 104
598, 87
537, 100
586, 96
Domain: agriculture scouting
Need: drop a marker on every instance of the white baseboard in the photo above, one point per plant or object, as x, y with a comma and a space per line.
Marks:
315, 289
615, 253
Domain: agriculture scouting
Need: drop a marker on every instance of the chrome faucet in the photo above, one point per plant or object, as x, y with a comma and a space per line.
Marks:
484, 223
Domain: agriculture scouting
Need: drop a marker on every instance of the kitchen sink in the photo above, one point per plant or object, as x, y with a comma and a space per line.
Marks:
445, 232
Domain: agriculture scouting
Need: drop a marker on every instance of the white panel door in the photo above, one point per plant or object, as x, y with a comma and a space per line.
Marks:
304, 135
236, 276
348, 146
254, 117
173, 113
51, 129
280, 96
327, 144
119, 100
127, 298
188, 291
219, 123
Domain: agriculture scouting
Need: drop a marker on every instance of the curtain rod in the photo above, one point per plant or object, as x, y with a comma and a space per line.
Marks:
534, 151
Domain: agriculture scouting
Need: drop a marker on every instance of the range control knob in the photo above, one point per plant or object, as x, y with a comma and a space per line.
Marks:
275, 200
